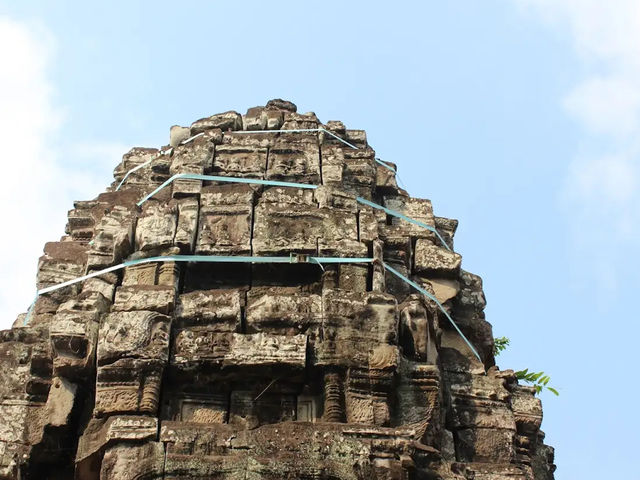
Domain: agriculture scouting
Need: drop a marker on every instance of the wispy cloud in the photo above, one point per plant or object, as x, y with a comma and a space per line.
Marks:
602, 188
608, 105
39, 181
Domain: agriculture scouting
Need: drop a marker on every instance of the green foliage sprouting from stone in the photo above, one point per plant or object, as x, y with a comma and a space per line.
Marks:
499, 344
537, 379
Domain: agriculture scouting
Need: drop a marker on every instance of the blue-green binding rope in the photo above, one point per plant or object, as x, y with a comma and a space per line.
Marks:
248, 259
302, 130
255, 181
251, 259
299, 130
198, 258
160, 154
210, 259
216, 178
403, 217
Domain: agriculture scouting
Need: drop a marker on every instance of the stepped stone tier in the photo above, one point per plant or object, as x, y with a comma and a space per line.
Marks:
182, 370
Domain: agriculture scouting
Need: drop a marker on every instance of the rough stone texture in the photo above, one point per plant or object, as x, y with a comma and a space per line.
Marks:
260, 371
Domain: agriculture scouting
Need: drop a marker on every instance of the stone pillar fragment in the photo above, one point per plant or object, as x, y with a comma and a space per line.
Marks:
333, 398
132, 462
133, 348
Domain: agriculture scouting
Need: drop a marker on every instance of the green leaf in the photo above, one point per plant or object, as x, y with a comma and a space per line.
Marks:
538, 380
536, 376
500, 344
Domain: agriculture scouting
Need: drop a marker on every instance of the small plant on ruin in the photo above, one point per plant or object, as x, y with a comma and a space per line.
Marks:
499, 344
537, 379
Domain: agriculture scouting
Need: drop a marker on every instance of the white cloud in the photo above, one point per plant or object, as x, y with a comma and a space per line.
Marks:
602, 187
607, 105
601, 31
38, 187
611, 177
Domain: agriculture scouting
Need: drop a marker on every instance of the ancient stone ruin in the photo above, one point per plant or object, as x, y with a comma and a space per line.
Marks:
297, 330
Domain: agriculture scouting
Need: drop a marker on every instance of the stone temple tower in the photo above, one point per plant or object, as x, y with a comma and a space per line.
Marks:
260, 300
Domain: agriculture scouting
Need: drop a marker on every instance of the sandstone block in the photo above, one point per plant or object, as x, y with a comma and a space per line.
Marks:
61, 261
129, 462
102, 433
157, 298
357, 137
419, 402
447, 228
224, 121
128, 385
214, 409
360, 168
487, 445
156, 227
414, 208
219, 310
60, 401
255, 119
275, 119
239, 350
333, 166
444, 289
100, 285
187, 226
435, 260
178, 134
226, 216
417, 331
385, 178
225, 230
73, 341
353, 320
279, 104
334, 198
283, 313
527, 409
295, 162
471, 296
282, 229
134, 158
281, 196
113, 240
240, 161
260, 349
136, 334
295, 121
193, 157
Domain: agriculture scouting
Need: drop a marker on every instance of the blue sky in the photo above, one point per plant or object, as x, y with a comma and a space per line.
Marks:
519, 118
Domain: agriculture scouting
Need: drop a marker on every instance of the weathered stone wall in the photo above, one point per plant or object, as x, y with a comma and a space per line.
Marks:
232, 371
